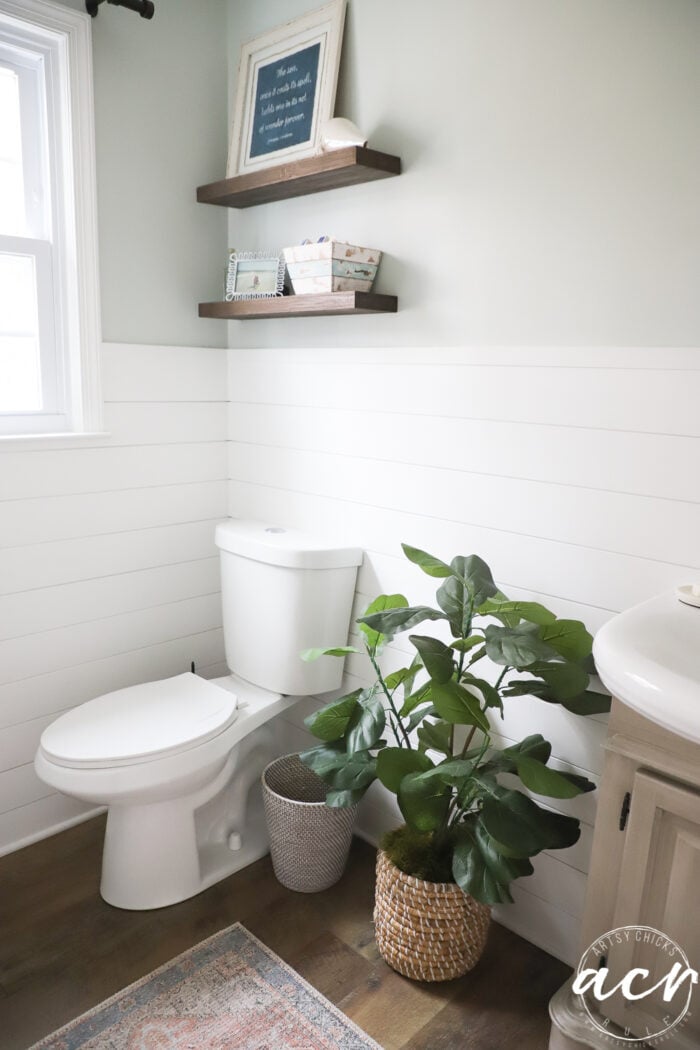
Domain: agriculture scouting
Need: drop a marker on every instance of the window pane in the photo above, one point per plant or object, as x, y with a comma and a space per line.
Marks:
20, 370
18, 300
12, 209
20, 378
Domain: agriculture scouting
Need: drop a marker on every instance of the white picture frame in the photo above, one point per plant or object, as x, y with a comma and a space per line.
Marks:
254, 275
287, 81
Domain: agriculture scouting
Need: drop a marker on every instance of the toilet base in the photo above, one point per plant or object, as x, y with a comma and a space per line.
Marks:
162, 853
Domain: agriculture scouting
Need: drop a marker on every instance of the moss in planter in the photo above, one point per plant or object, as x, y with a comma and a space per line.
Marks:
418, 853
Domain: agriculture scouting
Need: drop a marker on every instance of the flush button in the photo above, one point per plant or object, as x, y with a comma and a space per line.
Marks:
275, 531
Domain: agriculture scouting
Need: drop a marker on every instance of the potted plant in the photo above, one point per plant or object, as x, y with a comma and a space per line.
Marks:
426, 732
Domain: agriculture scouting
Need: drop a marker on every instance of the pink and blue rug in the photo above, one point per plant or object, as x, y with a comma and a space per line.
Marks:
228, 993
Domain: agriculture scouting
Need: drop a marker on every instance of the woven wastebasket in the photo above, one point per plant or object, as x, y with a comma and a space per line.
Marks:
309, 841
429, 931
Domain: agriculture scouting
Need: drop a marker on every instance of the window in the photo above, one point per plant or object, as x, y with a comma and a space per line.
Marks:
49, 315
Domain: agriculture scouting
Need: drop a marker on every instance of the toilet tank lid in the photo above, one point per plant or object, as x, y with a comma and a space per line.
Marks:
273, 545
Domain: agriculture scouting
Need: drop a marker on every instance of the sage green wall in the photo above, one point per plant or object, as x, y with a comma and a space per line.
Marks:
161, 129
552, 160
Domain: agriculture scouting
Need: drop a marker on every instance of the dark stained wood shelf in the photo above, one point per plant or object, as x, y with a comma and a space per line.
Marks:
327, 171
325, 305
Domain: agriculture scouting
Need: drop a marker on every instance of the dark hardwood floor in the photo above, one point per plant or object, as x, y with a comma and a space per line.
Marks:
63, 950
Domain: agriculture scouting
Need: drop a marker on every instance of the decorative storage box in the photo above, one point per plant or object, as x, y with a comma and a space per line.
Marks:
331, 266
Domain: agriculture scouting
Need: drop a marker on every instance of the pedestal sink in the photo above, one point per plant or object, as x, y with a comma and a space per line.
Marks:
645, 863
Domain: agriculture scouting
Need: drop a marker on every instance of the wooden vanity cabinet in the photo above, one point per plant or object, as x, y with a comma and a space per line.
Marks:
645, 869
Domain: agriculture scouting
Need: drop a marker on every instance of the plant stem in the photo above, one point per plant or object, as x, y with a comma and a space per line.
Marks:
390, 698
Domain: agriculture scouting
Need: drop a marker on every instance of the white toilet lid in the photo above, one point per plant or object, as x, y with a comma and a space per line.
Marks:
140, 723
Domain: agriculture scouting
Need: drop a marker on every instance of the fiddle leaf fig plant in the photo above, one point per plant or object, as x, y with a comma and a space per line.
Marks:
425, 731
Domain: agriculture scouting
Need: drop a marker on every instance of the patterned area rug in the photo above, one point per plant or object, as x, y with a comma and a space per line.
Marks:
227, 993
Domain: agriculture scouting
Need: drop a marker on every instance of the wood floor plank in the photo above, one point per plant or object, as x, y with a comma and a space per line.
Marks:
63, 950
330, 966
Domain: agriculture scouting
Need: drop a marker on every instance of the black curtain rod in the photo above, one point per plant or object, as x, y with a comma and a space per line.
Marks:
144, 7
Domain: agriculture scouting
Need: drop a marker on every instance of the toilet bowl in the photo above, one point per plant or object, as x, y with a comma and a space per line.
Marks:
177, 762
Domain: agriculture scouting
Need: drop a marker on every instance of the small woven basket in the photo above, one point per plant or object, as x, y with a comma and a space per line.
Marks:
429, 931
309, 841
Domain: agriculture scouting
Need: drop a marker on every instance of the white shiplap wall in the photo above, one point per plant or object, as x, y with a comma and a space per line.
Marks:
574, 472
108, 570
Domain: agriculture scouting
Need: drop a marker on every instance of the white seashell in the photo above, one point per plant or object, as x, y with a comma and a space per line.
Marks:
340, 132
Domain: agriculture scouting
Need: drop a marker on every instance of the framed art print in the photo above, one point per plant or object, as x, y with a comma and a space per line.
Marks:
287, 81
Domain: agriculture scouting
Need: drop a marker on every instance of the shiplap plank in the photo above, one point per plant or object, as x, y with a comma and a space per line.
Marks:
162, 373
45, 609
554, 930
19, 827
165, 423
66, 517
661, 465
607, 579
20, 786
599, 358
50, 564
49, 693
607, 521
651, 400
32, 475
70, 646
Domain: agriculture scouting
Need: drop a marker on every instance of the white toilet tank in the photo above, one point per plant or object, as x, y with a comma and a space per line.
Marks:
284, 591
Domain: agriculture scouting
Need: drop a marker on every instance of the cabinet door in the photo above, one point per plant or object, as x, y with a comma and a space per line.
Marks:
658, 887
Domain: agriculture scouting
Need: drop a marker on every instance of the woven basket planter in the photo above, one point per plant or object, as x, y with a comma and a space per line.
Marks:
309, 841
429, 931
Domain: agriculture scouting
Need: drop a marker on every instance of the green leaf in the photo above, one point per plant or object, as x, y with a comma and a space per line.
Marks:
340, 770
477, 575
332, 720
522, 828
437, 657
588, 703
338, 650
539, 778
454, 598
570, 639
563, 681
454, 771
424, 805
344, 799
412, 701
404, 676
457, 706
392, 621
517, 647
506, 760
358, 772
430, 565
324, 759
463, 645
491, 696
481, 869
417, 716
533, 746
394, 763
436, 737
512, 612
366, 722
385, 601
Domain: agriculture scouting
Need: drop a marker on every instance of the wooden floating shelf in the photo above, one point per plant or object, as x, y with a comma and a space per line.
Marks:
327, 171
326, 305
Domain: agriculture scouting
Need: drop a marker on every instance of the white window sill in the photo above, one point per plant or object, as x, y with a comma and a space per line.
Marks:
51, 442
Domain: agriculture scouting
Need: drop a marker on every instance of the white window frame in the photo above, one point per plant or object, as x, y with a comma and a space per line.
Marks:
67, 264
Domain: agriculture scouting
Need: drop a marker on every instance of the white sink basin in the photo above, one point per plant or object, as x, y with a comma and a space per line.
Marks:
649, 658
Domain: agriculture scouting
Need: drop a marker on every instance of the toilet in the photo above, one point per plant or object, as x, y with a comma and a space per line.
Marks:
177, 762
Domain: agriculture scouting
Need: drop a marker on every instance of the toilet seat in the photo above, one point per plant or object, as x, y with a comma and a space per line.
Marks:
140, 723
